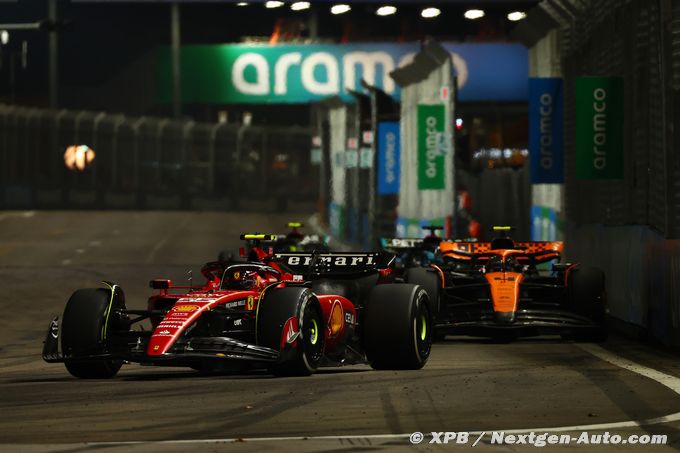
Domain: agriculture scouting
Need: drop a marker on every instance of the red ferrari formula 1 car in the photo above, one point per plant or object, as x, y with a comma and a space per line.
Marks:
498, 289
290, 313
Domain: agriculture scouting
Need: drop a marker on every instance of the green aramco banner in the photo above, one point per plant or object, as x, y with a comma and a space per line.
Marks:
599, 127
431, 146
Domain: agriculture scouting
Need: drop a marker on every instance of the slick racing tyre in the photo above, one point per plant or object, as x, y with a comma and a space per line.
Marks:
428, 278
85, 326
301, 355
398, 327
587, 296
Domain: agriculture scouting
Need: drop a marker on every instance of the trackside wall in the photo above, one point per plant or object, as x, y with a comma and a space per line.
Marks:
628, 226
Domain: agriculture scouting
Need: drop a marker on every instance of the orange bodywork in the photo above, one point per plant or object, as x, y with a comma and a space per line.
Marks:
466, 251
504, 285
504, 290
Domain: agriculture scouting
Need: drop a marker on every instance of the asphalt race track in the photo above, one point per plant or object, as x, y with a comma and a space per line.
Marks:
468, 384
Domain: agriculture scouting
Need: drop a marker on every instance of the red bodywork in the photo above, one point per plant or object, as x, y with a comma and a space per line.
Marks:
188, 306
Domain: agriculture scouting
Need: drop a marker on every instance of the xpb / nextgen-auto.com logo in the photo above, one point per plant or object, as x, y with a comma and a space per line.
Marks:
540, 439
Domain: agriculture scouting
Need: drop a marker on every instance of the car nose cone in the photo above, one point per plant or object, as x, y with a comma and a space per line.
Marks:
504, 317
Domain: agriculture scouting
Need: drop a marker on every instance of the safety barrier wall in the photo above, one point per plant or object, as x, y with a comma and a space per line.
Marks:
631, 39
630, 226
642, 274
150, 163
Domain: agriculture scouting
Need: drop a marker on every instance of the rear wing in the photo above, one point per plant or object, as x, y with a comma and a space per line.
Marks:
401, 244
312, 238
305, 243
334, 263
536, 251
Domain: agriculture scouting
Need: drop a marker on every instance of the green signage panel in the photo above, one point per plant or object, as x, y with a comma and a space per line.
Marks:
301, 73
431, 173
599, 128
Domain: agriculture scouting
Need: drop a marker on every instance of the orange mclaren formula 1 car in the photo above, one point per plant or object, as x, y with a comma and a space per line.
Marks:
505, 289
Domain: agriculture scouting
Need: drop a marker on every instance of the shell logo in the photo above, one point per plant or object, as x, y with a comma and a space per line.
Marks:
185, 308
336, 321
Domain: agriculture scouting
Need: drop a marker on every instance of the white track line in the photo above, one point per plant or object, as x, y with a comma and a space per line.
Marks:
667, 380
22, 214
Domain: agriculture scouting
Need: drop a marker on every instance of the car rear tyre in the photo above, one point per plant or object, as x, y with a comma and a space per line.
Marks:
302, 356
398, 327
428, 278
84, 331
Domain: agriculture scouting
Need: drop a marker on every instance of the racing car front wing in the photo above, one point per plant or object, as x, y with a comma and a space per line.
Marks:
472, 322
131, 347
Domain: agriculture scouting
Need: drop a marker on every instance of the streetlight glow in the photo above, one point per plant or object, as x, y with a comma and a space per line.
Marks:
516, 15
429, 13
340, 8
473, 14
386, 10
273, 4
299, 6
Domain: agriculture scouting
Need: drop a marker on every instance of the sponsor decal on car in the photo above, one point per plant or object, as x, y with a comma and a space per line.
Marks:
185, 308
177, 314
310, 238
345, 259
236, 303
292, 332
170, 324
54, 329
251, 303
197, 297
404, 242
335, 321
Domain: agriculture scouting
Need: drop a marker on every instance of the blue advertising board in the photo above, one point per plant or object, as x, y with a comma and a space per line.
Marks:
543, 224
389, 151
546, 129
301, 73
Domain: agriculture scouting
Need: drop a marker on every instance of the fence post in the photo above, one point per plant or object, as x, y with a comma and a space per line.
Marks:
4, 173
185, 174
65, 177
119, 120
100, 198
212, 152
141, 199
35, 139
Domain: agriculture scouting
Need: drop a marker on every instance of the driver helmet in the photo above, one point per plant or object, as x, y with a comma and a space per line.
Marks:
243, 279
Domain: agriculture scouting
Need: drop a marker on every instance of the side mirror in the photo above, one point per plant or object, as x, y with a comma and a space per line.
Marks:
160, 284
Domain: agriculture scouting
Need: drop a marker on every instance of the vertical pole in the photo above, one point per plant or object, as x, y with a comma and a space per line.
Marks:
176, 74
53, 54
373, 172
313, 25
12, 77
